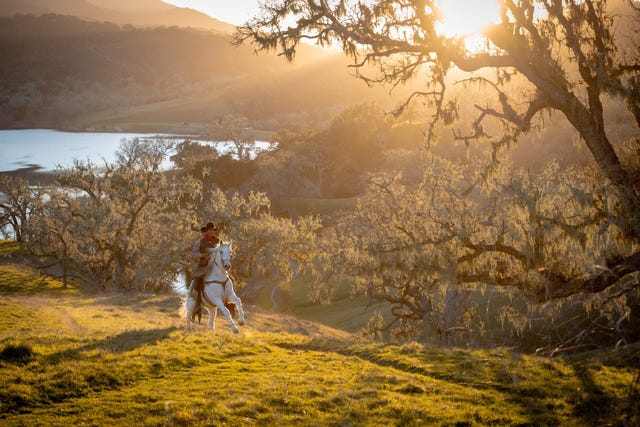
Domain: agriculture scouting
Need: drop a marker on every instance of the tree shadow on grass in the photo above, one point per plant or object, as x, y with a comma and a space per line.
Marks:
592, 406
63, 383
593, 403
121, 343
140, 301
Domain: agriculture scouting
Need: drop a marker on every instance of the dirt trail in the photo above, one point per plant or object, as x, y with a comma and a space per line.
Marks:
44, 304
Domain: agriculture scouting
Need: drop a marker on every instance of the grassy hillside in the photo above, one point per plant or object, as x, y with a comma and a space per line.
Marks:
69, 357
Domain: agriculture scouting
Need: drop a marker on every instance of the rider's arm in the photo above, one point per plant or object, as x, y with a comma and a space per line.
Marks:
195, 250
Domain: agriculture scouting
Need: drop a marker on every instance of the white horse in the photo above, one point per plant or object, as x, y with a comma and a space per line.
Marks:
218, 289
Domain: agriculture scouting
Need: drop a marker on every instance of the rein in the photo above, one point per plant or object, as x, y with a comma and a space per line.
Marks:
220, 282
223, 283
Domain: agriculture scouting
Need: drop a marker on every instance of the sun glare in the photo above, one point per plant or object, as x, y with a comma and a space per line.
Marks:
465, 18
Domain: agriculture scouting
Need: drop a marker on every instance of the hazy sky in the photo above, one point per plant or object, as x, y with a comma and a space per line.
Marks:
232, 11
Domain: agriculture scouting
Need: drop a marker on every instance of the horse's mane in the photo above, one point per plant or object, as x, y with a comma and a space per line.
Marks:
215, 250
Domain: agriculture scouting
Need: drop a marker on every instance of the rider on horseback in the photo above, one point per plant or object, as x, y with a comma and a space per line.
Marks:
200, 255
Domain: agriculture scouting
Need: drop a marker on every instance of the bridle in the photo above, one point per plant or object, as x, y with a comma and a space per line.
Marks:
223, 263
226, 262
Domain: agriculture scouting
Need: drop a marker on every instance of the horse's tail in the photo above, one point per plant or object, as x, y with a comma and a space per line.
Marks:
182, 311
231, 307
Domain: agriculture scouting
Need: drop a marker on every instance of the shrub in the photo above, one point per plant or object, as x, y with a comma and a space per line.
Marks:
17, 353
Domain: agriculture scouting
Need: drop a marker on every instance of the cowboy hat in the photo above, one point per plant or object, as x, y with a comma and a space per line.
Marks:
208, 227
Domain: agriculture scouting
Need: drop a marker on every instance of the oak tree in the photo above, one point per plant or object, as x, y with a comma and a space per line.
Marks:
18, 200
235, 131
120, 225
566, 57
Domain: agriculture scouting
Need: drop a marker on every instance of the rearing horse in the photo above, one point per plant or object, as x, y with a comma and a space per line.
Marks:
218, 288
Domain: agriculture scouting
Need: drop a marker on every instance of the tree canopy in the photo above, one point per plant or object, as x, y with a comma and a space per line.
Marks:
549, 55
544, 235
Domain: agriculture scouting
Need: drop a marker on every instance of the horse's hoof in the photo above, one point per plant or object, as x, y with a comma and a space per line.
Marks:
236, 331
241, 323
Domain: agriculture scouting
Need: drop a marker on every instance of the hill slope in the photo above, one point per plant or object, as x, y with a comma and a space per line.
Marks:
63, 72
70, 357
139, 12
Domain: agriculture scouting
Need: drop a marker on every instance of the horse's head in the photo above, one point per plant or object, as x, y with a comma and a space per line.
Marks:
225, 254
220, 256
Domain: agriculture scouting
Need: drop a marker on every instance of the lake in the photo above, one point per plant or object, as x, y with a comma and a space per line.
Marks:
49, 149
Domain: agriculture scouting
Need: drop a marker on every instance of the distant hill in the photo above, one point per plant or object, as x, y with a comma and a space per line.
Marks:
122, 12
64, 72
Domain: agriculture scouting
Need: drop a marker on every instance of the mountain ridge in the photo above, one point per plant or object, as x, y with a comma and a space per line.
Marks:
141, 13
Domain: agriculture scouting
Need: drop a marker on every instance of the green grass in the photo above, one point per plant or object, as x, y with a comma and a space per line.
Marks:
69, 358
344, 312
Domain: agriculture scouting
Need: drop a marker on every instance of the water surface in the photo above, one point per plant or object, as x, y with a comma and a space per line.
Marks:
49, 149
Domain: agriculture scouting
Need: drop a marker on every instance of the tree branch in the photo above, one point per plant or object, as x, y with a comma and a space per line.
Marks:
559, 287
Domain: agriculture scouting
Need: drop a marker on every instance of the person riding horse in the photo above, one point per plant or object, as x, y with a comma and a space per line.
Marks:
200, 255
218, 293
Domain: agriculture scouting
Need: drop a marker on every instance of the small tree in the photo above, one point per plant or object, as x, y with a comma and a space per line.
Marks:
289, 170
17, 203
331, 163
236, 131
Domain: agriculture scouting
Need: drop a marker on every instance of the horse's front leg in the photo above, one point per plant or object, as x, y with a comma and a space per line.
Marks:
213, 311
227, 314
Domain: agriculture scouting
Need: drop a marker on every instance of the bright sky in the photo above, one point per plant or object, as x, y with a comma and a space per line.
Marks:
462, 16
232, 11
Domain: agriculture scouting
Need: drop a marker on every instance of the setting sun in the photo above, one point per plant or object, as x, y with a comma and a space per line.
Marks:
464, 18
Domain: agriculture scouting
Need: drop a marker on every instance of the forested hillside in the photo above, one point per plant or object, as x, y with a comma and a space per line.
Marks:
57, 69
